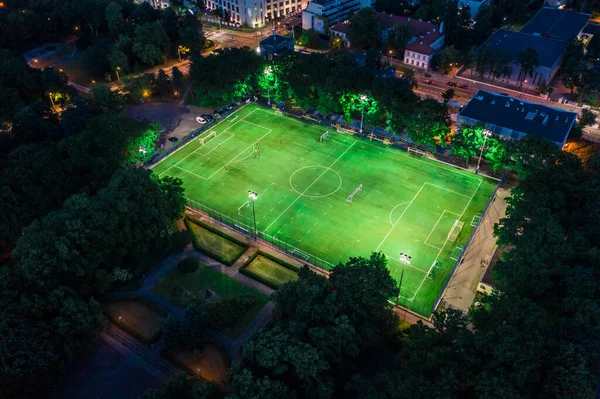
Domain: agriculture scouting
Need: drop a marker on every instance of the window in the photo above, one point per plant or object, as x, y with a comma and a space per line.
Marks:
293, 8
268, 8
287, 3
237, 9
268, 14
412, 62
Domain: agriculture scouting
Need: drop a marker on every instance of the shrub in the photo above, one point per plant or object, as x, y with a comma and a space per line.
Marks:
188, 265
181, 239
227, 312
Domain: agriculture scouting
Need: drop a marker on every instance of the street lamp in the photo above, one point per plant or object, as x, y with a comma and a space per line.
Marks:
117, 71
52, 101
405, 260
179, 52
363, 98
390, 53
253, 196
486, 134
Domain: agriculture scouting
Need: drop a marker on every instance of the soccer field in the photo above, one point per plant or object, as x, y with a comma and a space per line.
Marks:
406, 204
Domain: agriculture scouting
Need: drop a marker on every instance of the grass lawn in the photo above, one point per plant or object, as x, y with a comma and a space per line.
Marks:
224, 286
210, 360
401, 203
139, 318
271, 271
215, 245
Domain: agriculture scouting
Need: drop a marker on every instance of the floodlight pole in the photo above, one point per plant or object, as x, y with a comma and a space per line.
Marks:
400, 284
486, 134
363, 98
253, 196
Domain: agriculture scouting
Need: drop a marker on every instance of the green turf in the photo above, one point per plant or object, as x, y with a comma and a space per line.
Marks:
224, 286
224, 249
407, 203
271, 271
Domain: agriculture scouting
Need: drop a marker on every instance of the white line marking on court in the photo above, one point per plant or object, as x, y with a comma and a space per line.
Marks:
405, 264
400, 217
434, 226
314, 181
432, 246
204, 155
187, 171
446, 242
191, 141
450, 191
394, 208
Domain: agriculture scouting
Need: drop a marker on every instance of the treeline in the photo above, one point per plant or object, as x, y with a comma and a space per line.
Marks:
537, 337
76, 218
111, 33
326, 82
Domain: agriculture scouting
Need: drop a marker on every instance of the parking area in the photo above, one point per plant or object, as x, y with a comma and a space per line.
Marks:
176, 120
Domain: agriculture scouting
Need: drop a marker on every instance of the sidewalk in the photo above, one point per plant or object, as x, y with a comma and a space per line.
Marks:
461, 289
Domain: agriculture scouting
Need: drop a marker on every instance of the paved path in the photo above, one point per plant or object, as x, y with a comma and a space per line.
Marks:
462, 286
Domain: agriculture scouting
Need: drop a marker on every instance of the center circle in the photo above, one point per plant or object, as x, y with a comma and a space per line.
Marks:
315, 181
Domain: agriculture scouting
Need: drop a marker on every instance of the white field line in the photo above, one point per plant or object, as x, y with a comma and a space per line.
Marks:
187, 171
243, 151
191, 141
307, 188
205, 155
435, 225
406, 264
400, 217
446, 242
394, 208
450, 191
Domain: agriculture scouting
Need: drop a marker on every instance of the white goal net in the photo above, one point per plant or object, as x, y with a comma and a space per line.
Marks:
417, 151
455, 230
209, 136
325, 136
279, 112
345, 131
351, 196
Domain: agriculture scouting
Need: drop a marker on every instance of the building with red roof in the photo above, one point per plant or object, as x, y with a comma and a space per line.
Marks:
427, 37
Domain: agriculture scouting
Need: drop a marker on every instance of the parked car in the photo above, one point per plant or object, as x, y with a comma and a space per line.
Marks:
200, 120
427, 75
173, 139
207, 117
463, 87
451, 84
429, 82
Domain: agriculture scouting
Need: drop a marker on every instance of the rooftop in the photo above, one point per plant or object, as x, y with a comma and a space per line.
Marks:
519, 115
592, 29
275, 40
556, 23
512, 43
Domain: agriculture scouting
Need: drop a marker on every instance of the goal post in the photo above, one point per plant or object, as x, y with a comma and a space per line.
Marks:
455, 230
325, 136
435, 267
205, 139
279, 112
340, 129
415, 150
357, 189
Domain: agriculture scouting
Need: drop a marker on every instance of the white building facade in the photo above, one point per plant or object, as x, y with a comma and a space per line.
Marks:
160, 4
320, 15
257, 13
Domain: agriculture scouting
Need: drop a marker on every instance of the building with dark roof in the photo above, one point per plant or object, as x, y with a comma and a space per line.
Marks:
548, 33
275, 45
557, 24
549, 51
513, 119
427, 37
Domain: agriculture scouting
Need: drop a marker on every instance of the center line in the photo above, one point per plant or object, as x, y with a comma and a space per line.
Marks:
311, 184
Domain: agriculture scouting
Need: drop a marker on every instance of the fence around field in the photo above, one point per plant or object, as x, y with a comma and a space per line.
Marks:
466, 246
274, 242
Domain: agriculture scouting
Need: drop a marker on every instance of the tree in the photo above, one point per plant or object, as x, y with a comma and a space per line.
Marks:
365, 30
446, 58
448, 95
586, 118
309, 38
399, 36
118, 61
543, 88
410, 76
528, 61
430, 123
177, 78
593, 47
114, 18
320, 328
151, 43
182, 386
104, 99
